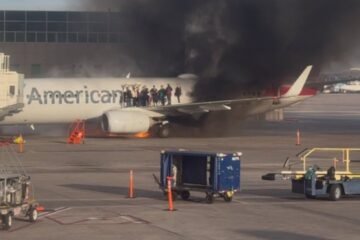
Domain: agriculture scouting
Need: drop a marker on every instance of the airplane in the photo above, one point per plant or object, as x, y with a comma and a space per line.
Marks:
61, 100
351, 87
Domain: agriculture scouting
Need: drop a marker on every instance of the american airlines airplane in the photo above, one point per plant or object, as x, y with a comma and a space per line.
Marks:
54, 100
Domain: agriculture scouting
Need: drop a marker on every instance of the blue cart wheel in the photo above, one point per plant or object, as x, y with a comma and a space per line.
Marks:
174, 195
209, 198
227, 198
185, 195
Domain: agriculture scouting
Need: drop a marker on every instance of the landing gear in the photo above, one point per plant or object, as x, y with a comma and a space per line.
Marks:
162, 130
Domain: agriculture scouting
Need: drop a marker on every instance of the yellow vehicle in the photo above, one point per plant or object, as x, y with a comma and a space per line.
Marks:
336, 181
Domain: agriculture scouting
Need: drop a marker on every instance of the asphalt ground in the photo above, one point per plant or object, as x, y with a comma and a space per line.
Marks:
84, 187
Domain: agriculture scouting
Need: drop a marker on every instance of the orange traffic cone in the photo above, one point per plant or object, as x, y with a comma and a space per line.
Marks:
131, 185
170, 197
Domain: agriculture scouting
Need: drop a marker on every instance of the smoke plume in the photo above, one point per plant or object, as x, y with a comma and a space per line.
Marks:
238, 44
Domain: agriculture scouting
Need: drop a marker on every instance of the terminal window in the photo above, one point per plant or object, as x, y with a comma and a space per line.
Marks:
52, 27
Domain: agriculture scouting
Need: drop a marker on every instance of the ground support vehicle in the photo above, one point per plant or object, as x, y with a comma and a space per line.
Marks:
16, 192
14, 199
339, 180
215, 174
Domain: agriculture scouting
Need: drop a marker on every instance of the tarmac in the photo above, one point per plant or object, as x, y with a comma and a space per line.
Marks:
84, 187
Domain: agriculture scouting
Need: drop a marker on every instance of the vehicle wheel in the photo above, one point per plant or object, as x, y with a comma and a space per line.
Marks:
185, 195
33, 216
174, 195
164, 131
335, 192
209, 198
227, 198
309, 196
7, 221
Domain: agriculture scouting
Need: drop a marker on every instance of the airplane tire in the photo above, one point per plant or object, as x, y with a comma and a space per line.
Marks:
164, 131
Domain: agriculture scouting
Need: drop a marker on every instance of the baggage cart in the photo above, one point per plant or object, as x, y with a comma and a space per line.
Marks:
215, 174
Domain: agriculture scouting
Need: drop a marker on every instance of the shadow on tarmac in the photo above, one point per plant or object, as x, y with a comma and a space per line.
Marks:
117, 190
275, 234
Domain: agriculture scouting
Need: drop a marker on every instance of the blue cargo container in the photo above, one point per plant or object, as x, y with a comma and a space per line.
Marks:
216, 174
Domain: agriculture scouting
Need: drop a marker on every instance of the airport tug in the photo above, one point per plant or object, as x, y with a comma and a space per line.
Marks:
337, 181
16, 191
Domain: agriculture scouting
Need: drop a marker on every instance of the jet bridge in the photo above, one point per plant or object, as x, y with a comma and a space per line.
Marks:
11, 88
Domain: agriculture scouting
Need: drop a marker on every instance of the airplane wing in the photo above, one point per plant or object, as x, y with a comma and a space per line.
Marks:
252, 105
206, 107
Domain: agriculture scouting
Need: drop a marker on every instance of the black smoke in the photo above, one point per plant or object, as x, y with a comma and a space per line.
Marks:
239, 44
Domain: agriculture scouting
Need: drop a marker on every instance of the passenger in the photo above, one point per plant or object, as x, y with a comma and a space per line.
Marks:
144, 96
129, 97
124, 98
161, 95
133, 94
154, 97
178, 93
136, 97
147, 97
168, 94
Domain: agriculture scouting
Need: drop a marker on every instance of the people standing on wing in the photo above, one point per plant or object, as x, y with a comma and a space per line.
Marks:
136, 97
133, 96
129, 97
161, 95
142, 96
168, 94
178, 93
153, 94
147, 97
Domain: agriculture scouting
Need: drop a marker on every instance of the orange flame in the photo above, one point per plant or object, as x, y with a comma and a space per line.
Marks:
142, 135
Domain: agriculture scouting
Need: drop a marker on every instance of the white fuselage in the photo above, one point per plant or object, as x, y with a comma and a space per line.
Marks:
55, 100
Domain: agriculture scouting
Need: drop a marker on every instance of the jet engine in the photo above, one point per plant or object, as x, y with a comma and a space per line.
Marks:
126, 122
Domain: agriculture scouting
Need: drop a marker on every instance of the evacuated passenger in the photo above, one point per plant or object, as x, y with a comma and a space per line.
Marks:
144, 96
136, 97
168, 94
129, 97
178, 93
161, 95
154, 95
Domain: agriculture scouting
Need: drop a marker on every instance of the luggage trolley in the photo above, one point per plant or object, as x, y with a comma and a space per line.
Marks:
215, 174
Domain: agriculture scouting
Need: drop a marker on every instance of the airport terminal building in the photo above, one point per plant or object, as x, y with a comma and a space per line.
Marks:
64, 43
